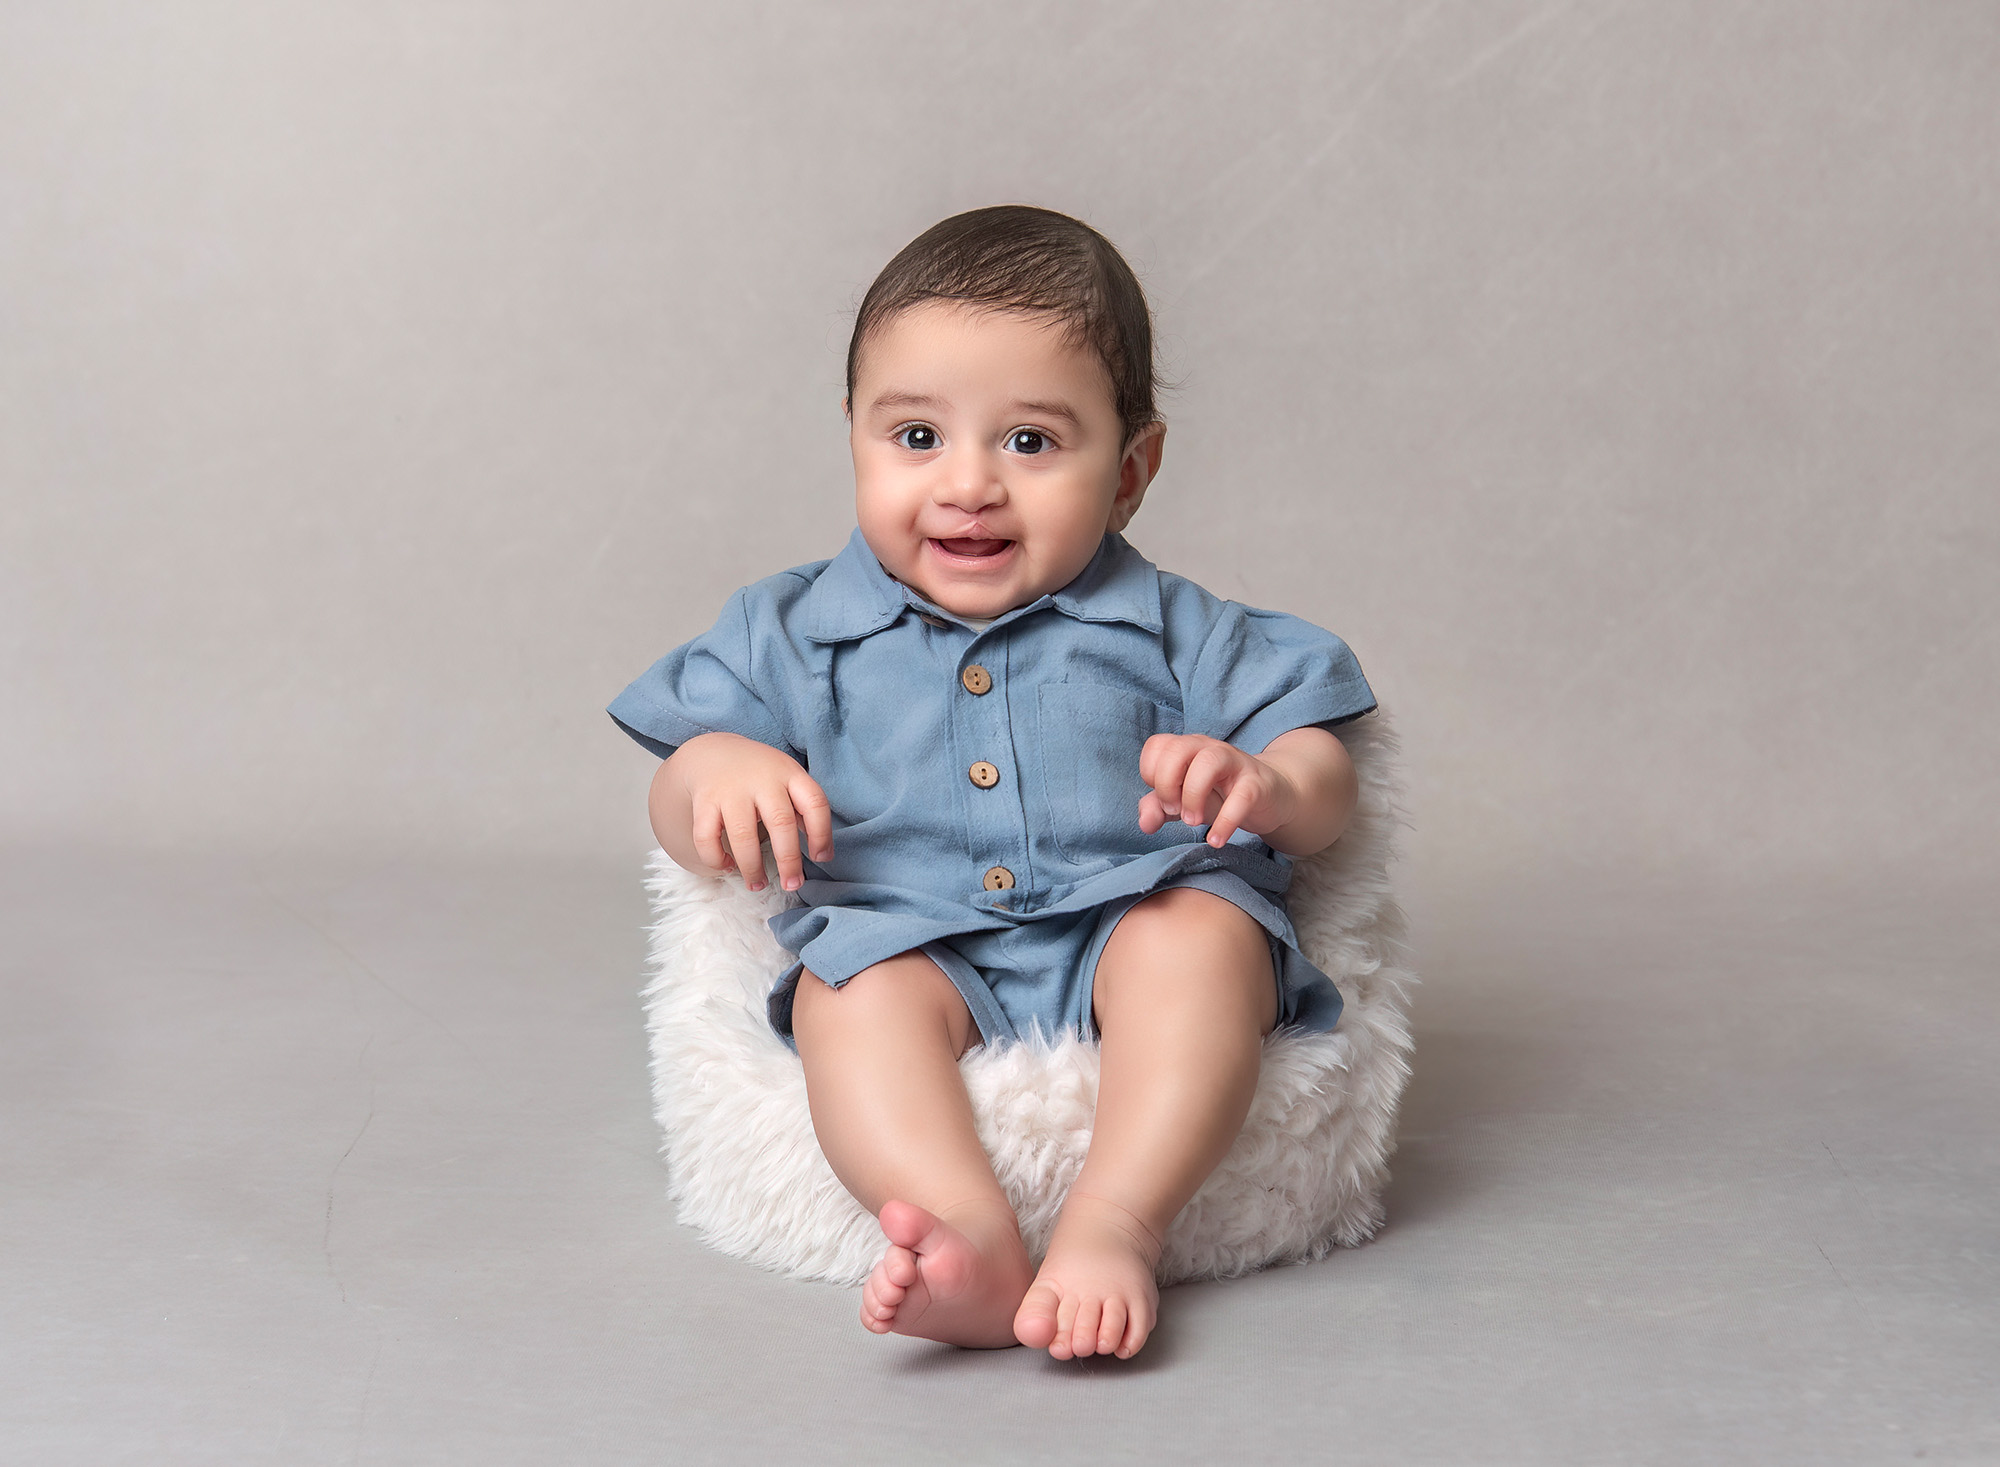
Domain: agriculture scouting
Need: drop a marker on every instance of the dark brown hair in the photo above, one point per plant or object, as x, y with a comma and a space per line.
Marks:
1013, 257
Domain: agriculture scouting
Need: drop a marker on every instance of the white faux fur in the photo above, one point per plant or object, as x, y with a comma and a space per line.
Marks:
1304, 1176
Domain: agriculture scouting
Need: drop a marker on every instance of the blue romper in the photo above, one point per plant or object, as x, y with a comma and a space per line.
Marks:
985, 785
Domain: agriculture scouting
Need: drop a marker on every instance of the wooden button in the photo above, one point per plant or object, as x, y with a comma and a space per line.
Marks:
977, 680
932, 621
999, 878
984, 775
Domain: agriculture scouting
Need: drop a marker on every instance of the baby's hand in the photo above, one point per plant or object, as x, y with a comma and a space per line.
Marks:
732, 785
1203, 781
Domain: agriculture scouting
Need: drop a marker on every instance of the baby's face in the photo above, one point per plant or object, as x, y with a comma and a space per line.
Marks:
989, 459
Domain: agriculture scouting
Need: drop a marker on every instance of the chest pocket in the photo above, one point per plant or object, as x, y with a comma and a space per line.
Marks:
1090, 741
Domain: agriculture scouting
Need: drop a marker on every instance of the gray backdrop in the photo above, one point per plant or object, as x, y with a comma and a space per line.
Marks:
383, 385
386, 385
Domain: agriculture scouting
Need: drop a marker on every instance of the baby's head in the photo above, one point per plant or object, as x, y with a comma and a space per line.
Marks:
1000, 407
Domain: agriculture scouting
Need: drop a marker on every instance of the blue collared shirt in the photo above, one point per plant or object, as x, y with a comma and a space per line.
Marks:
949, 756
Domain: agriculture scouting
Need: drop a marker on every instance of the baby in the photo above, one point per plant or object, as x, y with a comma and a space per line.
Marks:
984, 740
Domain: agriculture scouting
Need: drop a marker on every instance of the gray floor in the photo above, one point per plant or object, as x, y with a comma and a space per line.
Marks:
310, 1162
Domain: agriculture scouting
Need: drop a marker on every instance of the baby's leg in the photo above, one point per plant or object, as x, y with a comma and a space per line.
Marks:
1183, 996
881, 1058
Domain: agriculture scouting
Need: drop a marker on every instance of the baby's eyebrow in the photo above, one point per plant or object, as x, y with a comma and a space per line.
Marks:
905, 400
1050, 410
890, 401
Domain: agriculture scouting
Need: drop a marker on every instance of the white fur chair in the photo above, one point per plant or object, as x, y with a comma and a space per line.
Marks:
1304, 1176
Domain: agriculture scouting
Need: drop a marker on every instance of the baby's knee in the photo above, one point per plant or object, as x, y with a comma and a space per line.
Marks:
1186, 939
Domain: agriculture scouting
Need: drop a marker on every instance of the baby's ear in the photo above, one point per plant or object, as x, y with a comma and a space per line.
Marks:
845, 411
1150, 442
1136, 471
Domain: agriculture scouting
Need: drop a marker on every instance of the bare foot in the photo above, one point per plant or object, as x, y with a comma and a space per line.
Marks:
957, 1281
1095, 1294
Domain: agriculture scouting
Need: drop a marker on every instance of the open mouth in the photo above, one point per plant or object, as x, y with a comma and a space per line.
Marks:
973, 549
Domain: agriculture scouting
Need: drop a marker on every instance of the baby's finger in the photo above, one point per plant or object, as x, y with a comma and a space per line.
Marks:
811, 803
1235, 810
1208, 779
706, 828
775, 809
1152, 814
1165, 758
1163, 764
1152, 752
740, 820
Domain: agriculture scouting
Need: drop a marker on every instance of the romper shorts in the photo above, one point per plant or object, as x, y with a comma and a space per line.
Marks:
1035, 982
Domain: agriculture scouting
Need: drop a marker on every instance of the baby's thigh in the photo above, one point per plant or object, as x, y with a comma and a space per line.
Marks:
1186, 952
889, 1003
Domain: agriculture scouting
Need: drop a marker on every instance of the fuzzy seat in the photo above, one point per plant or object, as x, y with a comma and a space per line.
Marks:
1304, 1176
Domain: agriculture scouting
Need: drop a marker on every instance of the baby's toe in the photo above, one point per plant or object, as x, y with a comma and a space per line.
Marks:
1061, 1346
1111, 1332
881, 1294
1035, 1320
899, 1268
1083, 1334
876, 1311
1137, 1329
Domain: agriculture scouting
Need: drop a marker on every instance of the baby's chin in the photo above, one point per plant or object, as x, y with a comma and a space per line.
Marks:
947, 598
977, 610
969, 584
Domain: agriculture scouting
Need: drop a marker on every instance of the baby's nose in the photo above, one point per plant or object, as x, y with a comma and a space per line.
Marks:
971, 484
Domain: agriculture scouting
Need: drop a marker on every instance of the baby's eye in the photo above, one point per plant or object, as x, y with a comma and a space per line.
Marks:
1026, 440
918, 437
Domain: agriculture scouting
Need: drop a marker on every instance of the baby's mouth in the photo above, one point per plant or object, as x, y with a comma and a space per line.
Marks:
974, 549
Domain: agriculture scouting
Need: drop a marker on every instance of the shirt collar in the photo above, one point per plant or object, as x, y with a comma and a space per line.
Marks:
854, 597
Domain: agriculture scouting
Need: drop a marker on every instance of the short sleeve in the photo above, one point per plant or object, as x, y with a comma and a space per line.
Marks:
708, 685
1263, 673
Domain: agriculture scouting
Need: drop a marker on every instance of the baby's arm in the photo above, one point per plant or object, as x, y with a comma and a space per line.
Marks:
1298, 794
722, 784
